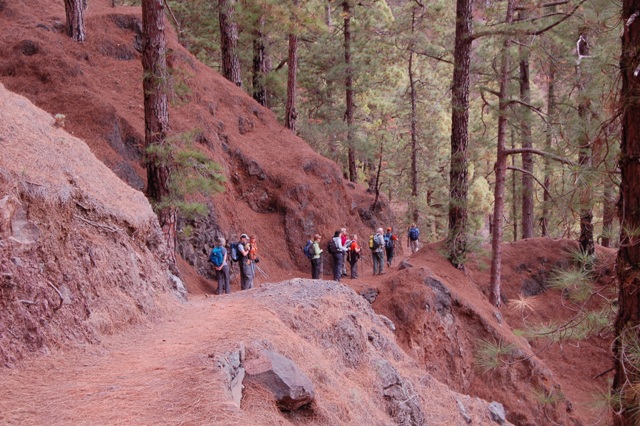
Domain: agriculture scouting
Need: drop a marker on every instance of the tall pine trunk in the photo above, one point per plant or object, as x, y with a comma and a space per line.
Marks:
585, 191
348, 83
458, 185
500, 169
229, 42
627, 372
551, 110
413, 130
156, 117
74, 26
292, 75
259, 63
525, 129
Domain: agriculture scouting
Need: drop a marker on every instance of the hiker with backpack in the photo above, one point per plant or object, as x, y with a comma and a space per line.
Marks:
218, 257
344, 238
376, 244
316, 260
353, 255
390, 245
337, 251
247, 270
413, 237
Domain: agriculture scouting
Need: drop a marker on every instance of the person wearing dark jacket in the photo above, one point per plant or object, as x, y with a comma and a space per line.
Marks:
338, 256
222, 271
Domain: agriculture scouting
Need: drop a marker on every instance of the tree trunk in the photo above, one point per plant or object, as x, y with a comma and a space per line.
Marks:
514, 190
290, 110
74, 10
551, 110
156, 116
627, 372
458, 185
525, 128
348, 83
259, 63
413, 129
585, 239
229, 42
500, 169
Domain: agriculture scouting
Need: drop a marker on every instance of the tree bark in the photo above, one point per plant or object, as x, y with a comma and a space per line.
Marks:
413, 129
74, 26
458, 185
551, 111
156, 116
525, 128
292, 76
500, 169
587, 245
229, 42
260, 63
627, 373
348, 83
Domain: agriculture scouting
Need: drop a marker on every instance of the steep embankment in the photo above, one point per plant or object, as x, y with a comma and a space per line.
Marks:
80, 251
277, 187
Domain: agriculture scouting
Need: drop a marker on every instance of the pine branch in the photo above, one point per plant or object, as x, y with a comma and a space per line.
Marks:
510, 31
541, 153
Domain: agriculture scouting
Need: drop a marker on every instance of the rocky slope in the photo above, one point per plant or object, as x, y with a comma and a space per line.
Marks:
80, 251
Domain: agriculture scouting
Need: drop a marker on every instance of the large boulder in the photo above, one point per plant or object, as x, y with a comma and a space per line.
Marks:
289, 385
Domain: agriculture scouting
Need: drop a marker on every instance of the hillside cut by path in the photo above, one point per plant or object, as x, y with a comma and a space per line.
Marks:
168, 372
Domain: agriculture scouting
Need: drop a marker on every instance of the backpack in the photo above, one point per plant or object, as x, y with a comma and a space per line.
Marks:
216, 257
388, 241
308, 250
331, 247
414, 234
373, 242
234, 255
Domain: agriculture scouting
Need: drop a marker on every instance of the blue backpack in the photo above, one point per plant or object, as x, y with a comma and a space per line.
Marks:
388, 241
308, 250
233, 252
414, 234
216, 257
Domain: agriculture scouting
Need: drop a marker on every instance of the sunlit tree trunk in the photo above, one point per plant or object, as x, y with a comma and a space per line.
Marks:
627, 327
156, 116
346, 10
229, 42
458, 185
74, 26
500, 169
608, 211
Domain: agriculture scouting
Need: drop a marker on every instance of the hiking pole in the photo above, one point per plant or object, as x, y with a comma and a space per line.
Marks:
259, 269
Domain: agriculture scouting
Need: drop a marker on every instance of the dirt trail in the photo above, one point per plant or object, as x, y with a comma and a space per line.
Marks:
131, 378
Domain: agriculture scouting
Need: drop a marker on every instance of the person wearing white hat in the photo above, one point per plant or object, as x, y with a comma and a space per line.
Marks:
246, 276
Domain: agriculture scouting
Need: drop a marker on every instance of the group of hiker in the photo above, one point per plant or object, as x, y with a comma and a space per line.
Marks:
244, 252
345, 250
342, 248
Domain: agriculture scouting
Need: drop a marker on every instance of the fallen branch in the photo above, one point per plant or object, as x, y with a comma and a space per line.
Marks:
59, 294
28, 302
97, 225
